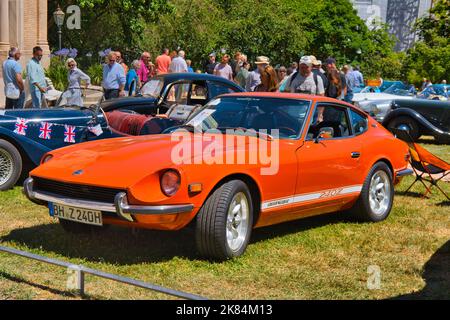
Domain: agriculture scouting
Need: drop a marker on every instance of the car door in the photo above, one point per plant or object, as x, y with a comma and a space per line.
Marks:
329, 168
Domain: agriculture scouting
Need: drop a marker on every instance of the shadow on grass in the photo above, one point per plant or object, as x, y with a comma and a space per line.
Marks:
121, 246
19, 280
436, 274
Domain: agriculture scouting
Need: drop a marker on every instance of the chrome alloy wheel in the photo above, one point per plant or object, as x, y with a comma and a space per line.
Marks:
238, 221
380, 193
6, 166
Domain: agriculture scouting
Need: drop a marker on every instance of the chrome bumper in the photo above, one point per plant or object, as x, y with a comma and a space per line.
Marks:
119, 207
405, 172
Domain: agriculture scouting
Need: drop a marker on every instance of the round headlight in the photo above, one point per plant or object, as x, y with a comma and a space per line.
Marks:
170, 182
374, 109
46, 158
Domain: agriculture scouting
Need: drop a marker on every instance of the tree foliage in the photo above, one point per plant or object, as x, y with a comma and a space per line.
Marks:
430, 57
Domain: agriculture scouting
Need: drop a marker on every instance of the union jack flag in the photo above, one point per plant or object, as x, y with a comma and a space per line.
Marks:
69, 134
21, 126
46, 131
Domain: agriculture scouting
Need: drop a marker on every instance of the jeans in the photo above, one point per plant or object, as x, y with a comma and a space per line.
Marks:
37, 97
16, 103
111, 93
348, 97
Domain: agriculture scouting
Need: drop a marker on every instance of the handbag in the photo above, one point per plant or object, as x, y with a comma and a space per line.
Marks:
12, 92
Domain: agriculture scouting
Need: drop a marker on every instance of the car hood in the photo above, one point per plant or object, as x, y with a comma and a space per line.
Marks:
118, 163
378, 96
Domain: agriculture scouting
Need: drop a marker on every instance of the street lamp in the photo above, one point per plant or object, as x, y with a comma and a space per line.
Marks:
58, 16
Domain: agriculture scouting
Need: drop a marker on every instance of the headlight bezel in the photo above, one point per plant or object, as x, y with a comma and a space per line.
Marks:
46, 158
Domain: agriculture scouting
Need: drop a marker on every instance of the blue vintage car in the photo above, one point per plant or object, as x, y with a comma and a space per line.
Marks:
81, 115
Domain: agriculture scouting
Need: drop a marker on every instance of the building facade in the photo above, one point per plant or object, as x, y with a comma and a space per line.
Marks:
23, 24
400, 15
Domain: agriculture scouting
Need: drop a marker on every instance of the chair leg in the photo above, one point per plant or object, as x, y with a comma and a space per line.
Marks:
443, 192
418, 178
428, 189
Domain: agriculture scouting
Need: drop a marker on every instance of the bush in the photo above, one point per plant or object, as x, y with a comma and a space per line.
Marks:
95, 71
57, 72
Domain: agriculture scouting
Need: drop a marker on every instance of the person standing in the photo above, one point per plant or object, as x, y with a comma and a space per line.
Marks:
133, 81
236, 63
317, 71
211, 64
146, 68
75, 77
178, 63
241, 77
162, 62
223, 69
305, 81
253, 79
36, 78
12, 77
113, 78
331, 65
358, 76
269, 79
121, 61
190, 69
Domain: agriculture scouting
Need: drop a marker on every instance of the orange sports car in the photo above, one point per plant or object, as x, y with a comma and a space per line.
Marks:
243, 161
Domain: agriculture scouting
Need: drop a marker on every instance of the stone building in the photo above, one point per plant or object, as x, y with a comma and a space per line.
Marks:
400, 15
23, 24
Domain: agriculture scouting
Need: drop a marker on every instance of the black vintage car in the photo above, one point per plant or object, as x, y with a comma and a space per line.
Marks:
420, 117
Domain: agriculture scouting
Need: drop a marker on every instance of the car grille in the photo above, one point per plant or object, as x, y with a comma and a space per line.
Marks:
76, 191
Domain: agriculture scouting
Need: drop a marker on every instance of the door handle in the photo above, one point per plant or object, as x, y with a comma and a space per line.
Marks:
356, 155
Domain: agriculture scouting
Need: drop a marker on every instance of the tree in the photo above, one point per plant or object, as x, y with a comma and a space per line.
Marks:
430, 56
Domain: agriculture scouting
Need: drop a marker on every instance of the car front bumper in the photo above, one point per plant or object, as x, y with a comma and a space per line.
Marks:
119, 207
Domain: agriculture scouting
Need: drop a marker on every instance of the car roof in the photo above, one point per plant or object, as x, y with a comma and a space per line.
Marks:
285, 95
169, 77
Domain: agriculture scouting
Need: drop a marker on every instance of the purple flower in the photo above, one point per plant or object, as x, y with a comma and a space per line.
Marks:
62, 53
73, 53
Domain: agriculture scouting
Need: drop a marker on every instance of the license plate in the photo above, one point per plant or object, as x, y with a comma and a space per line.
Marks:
80, 215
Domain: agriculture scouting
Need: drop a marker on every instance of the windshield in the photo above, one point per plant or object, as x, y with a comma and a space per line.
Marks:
152, 88
79, 97
271, 114
434, 90
398, 90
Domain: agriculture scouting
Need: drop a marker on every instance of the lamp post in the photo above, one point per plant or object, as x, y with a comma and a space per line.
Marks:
58, 16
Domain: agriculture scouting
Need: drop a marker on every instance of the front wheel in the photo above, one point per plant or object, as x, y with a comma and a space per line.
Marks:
224, 223
10, 165
377, 195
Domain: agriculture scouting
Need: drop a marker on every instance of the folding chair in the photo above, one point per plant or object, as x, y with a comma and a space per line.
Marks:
426, 165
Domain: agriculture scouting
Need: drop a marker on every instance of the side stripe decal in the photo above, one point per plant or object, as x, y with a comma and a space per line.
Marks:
325, 194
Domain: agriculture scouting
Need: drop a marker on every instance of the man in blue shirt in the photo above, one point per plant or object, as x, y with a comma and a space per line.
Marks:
12, 77
113, 78
36, 78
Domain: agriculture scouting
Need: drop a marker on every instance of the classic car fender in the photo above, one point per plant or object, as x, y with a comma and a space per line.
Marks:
31, 148
435, 131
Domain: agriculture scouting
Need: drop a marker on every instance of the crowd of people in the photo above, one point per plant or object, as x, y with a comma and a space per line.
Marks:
308, 76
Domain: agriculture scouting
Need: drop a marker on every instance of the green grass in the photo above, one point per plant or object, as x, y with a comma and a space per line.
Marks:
324, 257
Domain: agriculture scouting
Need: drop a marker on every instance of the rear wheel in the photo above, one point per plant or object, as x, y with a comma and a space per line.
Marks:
10, 165
377, 195
408, 124
224, 223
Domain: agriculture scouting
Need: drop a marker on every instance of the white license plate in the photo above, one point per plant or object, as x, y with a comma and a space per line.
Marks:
80, 215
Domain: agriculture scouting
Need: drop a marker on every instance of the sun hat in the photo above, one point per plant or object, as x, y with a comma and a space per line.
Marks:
306, 60
262, 60
315, 62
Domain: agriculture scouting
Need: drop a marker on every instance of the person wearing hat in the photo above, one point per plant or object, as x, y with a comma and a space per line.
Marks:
305, 81
317, 71
254, 77
210, 64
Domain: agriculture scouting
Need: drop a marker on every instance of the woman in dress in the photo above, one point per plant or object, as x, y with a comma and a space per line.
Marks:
75, 77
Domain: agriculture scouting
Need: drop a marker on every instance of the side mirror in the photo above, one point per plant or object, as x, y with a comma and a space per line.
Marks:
325, 133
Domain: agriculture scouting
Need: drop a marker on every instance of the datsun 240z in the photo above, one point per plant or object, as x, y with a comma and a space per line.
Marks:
329, 156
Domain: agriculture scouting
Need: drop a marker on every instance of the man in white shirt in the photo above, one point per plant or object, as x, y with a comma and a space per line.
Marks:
305, 81
178, 64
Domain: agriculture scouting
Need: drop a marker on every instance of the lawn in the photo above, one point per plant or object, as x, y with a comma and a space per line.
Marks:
324, 257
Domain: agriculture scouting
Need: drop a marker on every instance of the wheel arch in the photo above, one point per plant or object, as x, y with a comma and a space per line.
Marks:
423, 124
25, 157
253, 186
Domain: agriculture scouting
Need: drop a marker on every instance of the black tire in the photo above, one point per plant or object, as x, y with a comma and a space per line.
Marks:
406, 122
211, 222
79, 228
9, 157
362, 209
